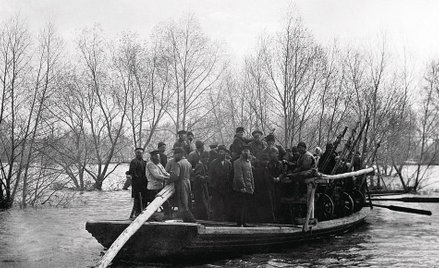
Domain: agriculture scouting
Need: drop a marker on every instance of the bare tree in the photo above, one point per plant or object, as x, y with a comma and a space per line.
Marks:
196, 66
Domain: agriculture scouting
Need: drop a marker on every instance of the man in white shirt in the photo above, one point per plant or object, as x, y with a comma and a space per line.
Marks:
156, 175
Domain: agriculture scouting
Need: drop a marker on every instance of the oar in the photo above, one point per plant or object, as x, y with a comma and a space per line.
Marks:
160, 198
410, 199
405, 209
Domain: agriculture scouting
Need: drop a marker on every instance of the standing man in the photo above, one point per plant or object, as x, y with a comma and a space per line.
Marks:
200, 190
238, 142
195, 156
243, 185
180, 174
138, 175
163, 157
182, 142
257, 146
190, 141
271, 143
156, 175
220, 185
213, 153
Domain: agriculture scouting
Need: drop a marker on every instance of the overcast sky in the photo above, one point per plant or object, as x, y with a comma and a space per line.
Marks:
410, 24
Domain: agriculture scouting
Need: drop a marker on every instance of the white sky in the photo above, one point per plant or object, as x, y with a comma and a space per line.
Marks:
409, 24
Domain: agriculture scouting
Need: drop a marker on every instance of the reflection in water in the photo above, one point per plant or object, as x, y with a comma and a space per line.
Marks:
57, 238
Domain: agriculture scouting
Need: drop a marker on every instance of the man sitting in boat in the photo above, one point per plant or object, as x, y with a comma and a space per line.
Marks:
220, 185
243, 185
138, 187
180, 174
306, 164
156, 175
200, 190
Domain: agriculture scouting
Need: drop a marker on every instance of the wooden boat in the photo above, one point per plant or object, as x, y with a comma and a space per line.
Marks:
178, 241
174, 240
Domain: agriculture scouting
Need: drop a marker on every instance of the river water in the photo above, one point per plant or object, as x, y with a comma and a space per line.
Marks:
56, 237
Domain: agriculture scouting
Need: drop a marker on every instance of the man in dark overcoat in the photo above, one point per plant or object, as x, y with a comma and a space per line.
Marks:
220, 186
139, 182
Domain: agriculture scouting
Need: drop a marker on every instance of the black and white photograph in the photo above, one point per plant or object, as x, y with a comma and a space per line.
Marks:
204, 134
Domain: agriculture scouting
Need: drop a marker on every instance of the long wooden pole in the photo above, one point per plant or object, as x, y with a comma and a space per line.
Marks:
405, 209
160, 198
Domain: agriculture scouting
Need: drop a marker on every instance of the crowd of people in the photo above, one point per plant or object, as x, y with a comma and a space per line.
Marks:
243, 183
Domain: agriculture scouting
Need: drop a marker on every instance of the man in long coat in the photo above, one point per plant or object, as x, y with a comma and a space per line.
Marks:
200, 189
220, 185
180, 174
243, 185
139, 182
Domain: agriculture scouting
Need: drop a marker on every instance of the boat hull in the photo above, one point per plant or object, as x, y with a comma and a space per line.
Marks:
171, 241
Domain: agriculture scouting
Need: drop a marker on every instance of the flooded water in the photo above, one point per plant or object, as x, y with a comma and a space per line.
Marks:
56, 237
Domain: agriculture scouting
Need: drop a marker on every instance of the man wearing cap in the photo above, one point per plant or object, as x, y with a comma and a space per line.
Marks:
182, 142
180, 174
163, 157
220, 185
200, 190
238, 142
257, 145
195, 156
138, 176
243, 185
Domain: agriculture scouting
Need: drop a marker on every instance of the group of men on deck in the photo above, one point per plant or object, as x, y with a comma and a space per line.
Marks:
242, 183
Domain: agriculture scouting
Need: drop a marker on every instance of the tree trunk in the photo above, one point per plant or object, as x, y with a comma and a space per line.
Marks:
98, 183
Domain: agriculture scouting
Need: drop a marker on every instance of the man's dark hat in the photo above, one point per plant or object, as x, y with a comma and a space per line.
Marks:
213, 146
154, 152
301, 144
181, 132
257, 131
139, 148
190, 133
161, 144
179, 150
239, 129
270, 137
222, 147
